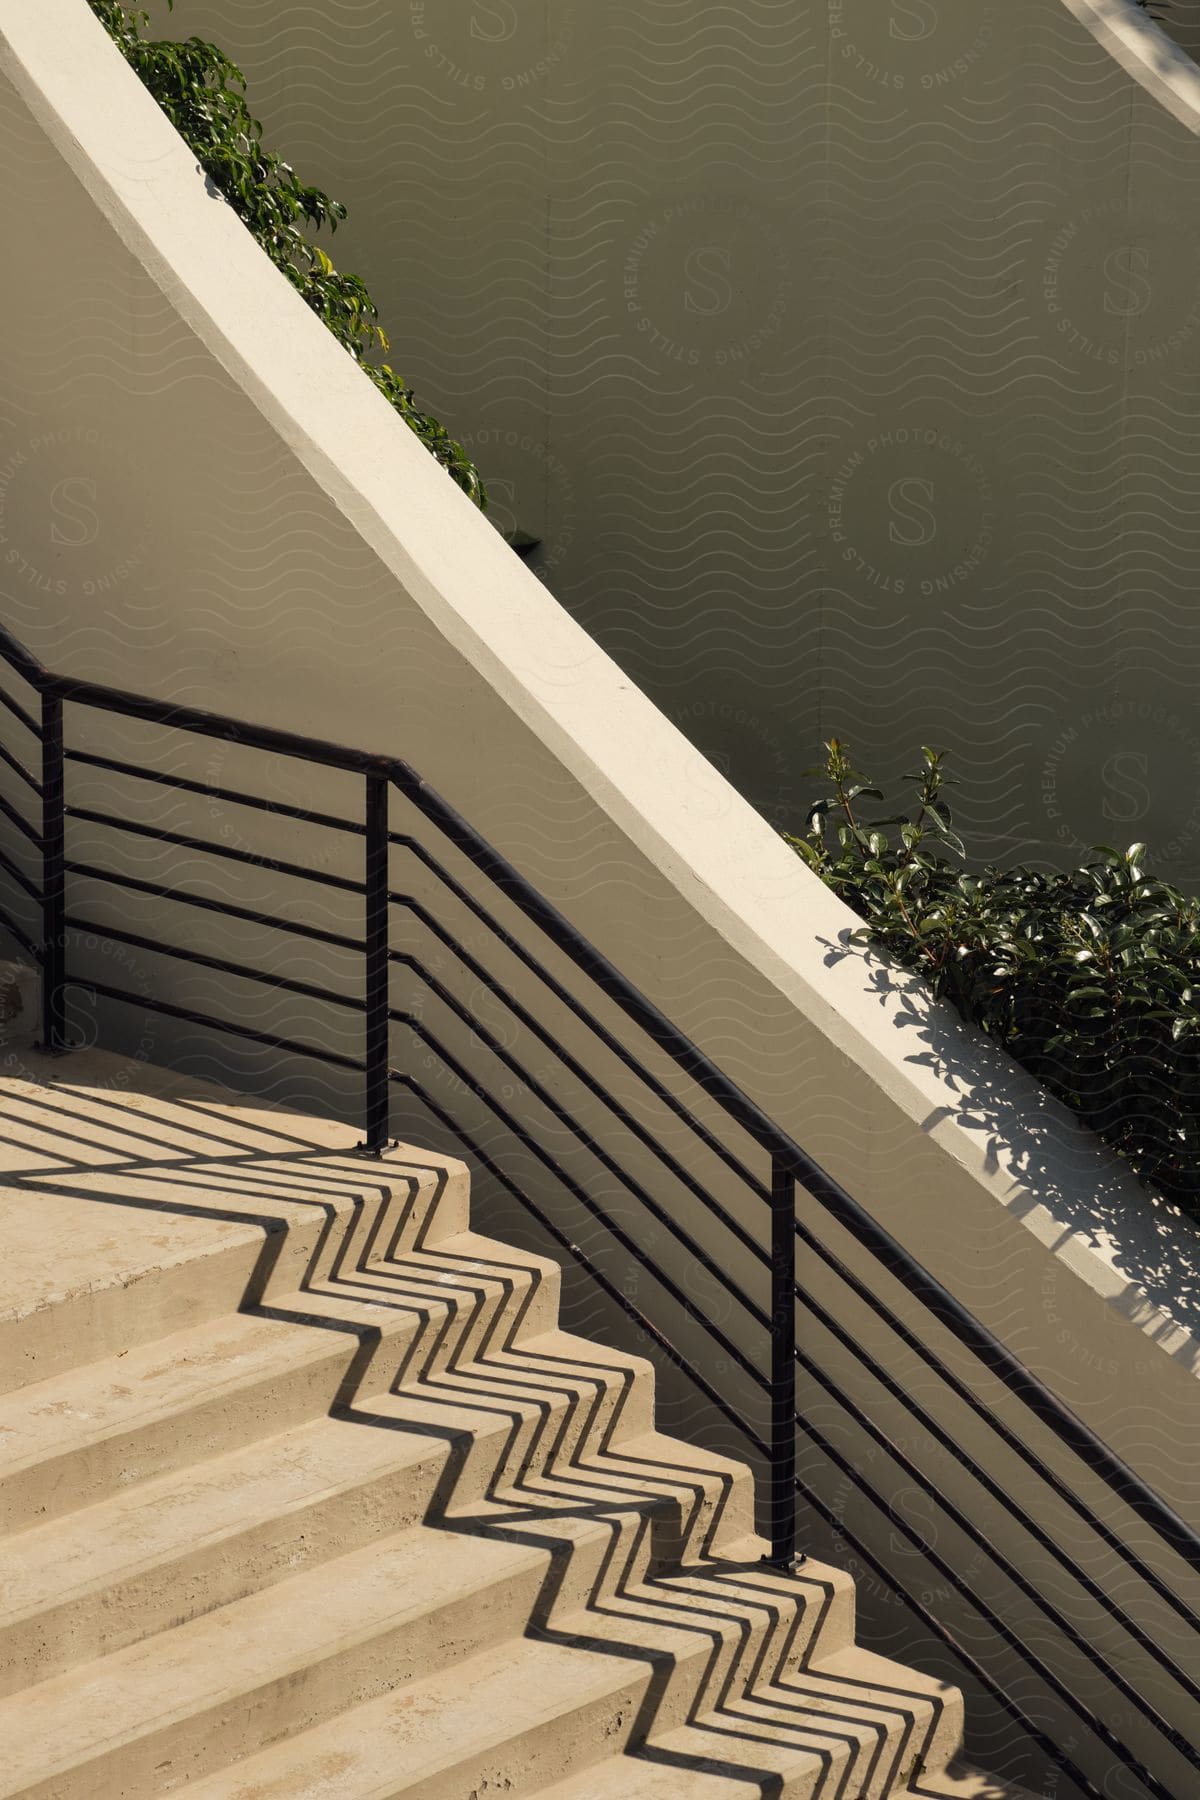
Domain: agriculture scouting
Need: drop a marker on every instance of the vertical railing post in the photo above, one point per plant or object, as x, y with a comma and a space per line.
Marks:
784, 1553
377, 985
54, 878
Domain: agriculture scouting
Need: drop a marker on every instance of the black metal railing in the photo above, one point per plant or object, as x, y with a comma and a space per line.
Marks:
44, 931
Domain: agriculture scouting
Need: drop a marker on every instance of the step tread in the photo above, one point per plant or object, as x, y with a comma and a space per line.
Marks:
852, 1698
494, 1700
96, 1245
204, 1503
426, 1726
226, 1497
104, 1188
265, 1637
89, 1403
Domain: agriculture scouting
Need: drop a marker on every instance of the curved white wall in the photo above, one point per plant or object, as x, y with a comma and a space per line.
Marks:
200, 496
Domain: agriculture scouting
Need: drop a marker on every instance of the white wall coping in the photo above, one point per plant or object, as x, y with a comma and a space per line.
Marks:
989, 1123
1145, 52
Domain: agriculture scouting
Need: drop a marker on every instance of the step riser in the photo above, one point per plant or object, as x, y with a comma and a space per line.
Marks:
467, 1321
105, 1619
604, 1407
432, 1209
507, 1448
583, 1736
90, 1472
351, 1370
717, 1517
288, 1253
186, 1750
782, 1638
89, 1327
542, 1597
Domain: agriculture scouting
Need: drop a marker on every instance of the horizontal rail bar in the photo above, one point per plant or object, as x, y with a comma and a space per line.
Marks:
227, 910
19, 876
612, 1226
221, 964
158, 835
18, 712
607, 977
682, 1237
18, 768
22, 824
1046, 1406
579, 1011
619, 1111
212, 790
988, 1415
14, 653
189, 1017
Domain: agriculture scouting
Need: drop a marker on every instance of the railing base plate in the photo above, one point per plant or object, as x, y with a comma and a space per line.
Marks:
785, 1565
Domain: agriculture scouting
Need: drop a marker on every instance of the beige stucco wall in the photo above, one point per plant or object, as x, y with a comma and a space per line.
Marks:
200, 497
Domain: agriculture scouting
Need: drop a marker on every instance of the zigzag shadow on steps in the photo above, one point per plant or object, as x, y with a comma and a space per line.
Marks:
502, 1377
527, 1519
287, 1168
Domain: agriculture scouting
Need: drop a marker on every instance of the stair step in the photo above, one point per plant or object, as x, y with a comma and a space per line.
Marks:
309, 1498
519, 1719
75, 1439
130, 1217
878, 1723
172, 1708
152, 1716
169, 1550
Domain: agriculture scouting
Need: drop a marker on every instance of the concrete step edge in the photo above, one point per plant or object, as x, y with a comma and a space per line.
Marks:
506, 1721
291, 1499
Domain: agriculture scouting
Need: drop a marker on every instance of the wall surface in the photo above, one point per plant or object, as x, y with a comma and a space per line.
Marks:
844, 354
200, 497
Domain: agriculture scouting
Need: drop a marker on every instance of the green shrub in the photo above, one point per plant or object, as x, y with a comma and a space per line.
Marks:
1090, 979
204, 95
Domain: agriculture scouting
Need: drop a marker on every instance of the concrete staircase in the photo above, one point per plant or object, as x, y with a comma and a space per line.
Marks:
308, 1497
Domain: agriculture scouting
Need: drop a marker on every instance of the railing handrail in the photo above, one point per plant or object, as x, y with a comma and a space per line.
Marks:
778, 1144
205, 723
789, 1163
783, 1149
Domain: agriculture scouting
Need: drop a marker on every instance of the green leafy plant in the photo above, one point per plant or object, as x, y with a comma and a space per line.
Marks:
203, 94
1089, 978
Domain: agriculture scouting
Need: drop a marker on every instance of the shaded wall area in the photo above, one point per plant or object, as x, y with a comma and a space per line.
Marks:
844, 355
1180, 19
